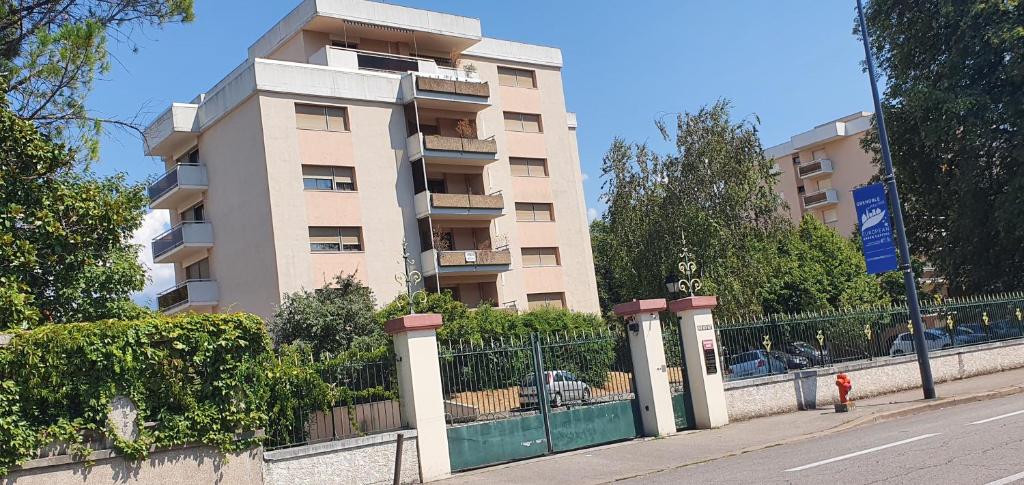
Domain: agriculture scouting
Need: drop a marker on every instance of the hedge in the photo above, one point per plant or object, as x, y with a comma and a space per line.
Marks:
199, 378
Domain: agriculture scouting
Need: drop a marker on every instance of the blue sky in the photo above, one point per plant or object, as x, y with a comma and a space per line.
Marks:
792, 63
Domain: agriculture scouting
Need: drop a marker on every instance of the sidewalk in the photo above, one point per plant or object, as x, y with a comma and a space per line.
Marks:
641, 457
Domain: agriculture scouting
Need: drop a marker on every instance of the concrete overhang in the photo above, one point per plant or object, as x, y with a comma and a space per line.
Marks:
174, 131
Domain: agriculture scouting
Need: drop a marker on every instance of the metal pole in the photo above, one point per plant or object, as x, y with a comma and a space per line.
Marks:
927, 384
399, 440
542, 388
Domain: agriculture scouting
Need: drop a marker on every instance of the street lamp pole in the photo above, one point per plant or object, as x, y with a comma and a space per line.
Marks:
927, 384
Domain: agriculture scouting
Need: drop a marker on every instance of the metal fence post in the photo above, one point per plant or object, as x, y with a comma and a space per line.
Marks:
542, 388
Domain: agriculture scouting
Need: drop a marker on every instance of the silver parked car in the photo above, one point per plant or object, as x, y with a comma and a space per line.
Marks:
563, 386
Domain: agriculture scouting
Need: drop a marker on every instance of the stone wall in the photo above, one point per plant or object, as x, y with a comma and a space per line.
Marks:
816, 387
364, 460
179, 465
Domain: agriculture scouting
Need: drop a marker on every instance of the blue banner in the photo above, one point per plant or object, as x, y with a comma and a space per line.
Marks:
875, 229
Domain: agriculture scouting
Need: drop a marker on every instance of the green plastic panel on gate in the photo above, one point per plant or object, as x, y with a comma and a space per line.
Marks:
595, 425
682, 408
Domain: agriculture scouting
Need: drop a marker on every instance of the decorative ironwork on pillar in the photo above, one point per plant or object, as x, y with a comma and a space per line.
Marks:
411, 278
688, 283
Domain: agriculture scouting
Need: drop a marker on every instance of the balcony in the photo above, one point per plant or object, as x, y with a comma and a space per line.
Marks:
449, 89
480, 261
815, 169
459, 206
190, 295
184, 241
822, 198
452, 149
177, 186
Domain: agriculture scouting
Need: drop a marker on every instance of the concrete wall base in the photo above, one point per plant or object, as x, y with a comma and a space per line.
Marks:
356, 461
815, 388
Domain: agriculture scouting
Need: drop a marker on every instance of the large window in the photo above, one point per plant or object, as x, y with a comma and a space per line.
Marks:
325, 239
517, 78
533, 212
322, 118
533, 257
528, 167
320, 177
541, 300
199, 270
523, 122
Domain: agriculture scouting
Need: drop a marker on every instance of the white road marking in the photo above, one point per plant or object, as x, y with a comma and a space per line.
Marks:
862, 452
1007, 415
1009, 479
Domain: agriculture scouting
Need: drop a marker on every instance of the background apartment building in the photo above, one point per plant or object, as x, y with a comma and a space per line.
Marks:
820, 168
355, 125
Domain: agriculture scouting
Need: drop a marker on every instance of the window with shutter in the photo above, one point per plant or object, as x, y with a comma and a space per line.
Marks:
516, 78
321, 118
533, 212
322, 177
513, 122
542, 300
528, 167
540, 257
335, 239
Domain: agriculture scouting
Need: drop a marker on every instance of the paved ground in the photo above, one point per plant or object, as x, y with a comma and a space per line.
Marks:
946, 449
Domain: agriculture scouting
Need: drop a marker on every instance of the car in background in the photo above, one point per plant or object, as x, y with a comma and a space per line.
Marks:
934, 340
562, 386
808, 351
793, 362
998, 330
964, 335
755, 363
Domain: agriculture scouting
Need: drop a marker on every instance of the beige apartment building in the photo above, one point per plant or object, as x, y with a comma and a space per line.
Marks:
818, 170
354, 125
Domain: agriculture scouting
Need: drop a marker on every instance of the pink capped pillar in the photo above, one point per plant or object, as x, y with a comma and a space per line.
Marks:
703, 369
643, 326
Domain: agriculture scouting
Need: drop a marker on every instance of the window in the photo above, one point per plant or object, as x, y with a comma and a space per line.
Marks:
199, 270
528, 167
319, 177
541, 300
533, 257
533, 212
517, 78
831, 216
437, 186
190, 157
335, 239
193, 214
526, 123
824, 184
344, 45
322, 118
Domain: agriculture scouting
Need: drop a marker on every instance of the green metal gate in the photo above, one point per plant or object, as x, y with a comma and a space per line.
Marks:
682, 403
496, 412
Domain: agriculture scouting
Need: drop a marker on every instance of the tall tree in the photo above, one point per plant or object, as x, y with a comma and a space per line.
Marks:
716, 189
955, 110
64, 234
52, 50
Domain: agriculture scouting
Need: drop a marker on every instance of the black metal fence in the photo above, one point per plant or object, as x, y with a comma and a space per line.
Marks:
330, 400
778, 344
497, 380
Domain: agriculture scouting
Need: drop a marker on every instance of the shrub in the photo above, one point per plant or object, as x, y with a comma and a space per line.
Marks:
200, 378
328, 319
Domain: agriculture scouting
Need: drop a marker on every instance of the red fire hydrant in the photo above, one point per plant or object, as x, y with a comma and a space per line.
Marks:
844, 385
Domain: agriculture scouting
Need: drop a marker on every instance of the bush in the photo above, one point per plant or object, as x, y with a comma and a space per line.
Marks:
328, 319
200, 378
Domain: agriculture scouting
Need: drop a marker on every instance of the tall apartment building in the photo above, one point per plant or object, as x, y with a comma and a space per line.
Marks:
354, 125
820, 168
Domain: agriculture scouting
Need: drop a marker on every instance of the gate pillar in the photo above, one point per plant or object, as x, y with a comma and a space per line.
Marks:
650, 371
704, 371
419, 389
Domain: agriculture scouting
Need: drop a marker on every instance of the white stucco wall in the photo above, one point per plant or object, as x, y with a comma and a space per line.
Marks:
367, 460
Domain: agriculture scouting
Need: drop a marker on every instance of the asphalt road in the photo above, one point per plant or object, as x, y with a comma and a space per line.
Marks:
979, 443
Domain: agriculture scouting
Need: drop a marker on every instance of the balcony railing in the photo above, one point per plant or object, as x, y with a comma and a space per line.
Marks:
821, 198
198, 233
184, 177
816, 168
467, 201
450, 85
457, 144
479, 257
191, 292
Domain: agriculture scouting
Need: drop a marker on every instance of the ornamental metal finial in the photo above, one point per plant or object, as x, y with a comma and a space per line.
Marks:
411, 278
688, 283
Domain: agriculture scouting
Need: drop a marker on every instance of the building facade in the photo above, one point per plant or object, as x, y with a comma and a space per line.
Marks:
354, 126
819, 169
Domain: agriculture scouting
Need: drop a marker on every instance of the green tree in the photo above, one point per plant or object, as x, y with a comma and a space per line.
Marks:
64, 234
717, 189
820, 270
52, 50
329, 320
955, 114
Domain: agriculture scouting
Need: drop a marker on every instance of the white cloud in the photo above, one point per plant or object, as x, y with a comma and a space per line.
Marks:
586, 176
159, 277
592, 214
